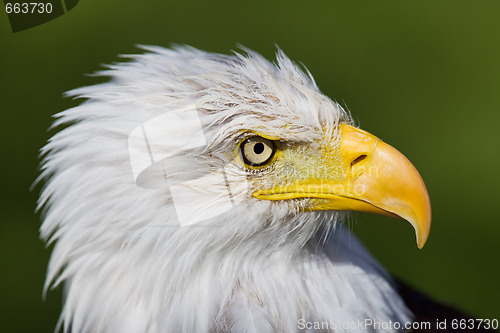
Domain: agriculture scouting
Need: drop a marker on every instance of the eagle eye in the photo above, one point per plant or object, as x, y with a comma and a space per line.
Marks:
257, 151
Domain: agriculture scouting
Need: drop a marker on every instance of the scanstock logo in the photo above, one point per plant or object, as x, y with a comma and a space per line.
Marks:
172, 135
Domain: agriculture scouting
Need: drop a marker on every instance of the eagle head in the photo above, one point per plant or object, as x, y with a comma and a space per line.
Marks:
200, 192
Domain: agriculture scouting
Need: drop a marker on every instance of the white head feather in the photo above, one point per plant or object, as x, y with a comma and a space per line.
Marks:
262, 266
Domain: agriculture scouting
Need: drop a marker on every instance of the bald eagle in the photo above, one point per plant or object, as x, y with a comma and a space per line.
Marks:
201, 192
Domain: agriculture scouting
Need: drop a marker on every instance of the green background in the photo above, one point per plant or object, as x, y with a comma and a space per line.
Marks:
422, 75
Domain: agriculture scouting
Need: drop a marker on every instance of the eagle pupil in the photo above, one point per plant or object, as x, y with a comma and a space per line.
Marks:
258, 148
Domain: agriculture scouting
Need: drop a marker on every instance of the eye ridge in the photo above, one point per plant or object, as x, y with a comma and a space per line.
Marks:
253, 151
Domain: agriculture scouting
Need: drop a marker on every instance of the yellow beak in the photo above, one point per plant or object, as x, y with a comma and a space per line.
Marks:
378, 179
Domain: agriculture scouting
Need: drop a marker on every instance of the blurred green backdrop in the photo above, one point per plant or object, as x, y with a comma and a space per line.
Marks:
422, 75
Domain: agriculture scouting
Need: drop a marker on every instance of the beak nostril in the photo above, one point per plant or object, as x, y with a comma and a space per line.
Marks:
358, 159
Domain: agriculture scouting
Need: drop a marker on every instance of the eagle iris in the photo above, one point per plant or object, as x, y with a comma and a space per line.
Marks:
257, 151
